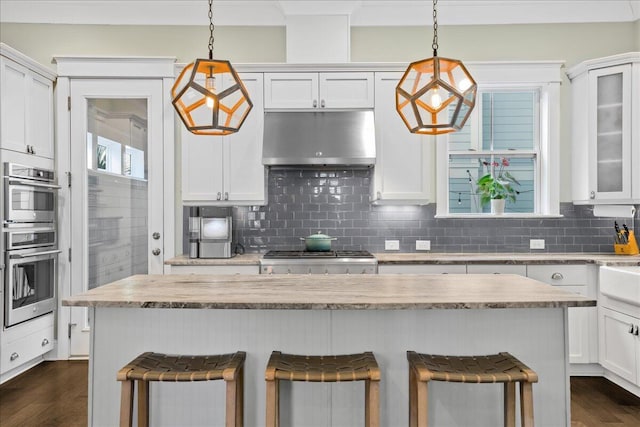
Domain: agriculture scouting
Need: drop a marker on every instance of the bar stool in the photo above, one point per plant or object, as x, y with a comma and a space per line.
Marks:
496, 368
333, 368
177, 368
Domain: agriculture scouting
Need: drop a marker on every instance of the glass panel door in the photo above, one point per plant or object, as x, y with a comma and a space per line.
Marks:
610, 123
117, 203
117, 189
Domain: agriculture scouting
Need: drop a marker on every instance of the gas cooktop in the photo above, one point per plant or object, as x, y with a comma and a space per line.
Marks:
317, 254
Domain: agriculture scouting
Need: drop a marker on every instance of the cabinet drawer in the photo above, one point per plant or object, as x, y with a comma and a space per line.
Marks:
25, 349
559, 274
215, 269
497, 269
422, 269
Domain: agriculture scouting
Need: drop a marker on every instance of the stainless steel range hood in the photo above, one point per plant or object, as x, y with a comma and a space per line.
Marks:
326, 138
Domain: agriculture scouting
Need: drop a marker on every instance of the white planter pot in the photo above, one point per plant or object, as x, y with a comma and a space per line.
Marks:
497, 206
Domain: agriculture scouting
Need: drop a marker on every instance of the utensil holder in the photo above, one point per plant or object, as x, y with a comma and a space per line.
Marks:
629, 248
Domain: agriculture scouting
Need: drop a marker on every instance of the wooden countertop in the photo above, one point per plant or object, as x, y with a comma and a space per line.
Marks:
444, 258
329, 292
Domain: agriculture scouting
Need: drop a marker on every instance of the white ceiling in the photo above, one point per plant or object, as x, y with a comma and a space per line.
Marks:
362, 13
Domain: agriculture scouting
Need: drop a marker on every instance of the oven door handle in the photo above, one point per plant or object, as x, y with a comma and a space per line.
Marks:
17, 256
33, 183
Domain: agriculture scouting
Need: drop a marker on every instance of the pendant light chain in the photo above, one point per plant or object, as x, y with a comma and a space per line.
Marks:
434, 45
211, 27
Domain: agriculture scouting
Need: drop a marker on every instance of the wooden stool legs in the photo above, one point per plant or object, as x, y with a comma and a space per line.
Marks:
273, 403
526, 404
235, 401
372, 403
126, 404
509, 404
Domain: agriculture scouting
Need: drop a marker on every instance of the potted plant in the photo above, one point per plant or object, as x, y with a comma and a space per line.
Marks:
497, 188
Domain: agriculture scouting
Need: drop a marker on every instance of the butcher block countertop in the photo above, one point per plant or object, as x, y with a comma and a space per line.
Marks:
329, 292
445, 258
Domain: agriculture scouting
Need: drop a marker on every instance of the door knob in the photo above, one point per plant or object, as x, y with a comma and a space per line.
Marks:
156, 251
156, 236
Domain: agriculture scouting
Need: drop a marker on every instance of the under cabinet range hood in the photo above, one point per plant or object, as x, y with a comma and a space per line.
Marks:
315, 139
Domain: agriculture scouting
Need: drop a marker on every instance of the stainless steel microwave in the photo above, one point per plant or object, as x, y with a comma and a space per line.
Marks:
30, 194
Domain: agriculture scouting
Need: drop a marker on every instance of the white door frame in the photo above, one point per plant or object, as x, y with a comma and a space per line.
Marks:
72, 67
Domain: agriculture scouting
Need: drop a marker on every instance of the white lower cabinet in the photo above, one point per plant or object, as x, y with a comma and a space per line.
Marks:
619, 344
25, 342
214, 269
497, 269
583, 321
422, 269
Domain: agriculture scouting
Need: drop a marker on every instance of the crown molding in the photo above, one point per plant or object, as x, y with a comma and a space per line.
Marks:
274, 12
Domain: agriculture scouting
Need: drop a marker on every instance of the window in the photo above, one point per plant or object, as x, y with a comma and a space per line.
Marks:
502, 141
510, 135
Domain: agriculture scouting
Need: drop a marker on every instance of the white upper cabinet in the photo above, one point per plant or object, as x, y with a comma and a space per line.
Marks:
606, 130
227, 170
26, 119
404, 164
306, 90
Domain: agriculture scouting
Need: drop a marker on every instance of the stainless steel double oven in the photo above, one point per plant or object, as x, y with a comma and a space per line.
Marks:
31, 251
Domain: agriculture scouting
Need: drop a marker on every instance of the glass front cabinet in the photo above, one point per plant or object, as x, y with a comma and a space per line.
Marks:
605, 136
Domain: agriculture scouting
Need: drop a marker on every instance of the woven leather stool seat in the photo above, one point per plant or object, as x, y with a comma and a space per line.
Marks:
177, 368
331, 368
495, 368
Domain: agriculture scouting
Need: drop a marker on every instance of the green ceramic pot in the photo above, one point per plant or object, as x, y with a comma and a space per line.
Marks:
318, 242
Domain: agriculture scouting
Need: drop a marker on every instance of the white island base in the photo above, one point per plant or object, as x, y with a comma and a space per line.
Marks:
537, 336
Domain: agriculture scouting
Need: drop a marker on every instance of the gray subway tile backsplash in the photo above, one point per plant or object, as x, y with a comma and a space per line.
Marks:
335, 202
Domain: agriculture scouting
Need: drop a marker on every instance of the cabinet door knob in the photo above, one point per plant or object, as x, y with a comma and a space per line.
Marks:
631, 328
592, 195
156, 251
226, 195
156, 236
13, 356
315, 103
219, 196
635, 330
322, 104
557, 276
45, 342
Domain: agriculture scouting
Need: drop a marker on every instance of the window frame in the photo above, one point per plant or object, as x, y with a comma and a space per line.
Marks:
543, 77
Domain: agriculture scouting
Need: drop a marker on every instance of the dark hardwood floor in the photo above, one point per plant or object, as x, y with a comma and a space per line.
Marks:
54, 394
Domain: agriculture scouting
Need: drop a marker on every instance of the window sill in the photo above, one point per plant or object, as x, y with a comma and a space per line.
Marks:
503, 216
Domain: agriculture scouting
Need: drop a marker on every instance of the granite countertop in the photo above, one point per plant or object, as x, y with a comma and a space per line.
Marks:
329, 292
445, 258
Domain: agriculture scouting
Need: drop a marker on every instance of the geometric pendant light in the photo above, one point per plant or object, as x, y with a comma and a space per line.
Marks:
435, 95
209, 96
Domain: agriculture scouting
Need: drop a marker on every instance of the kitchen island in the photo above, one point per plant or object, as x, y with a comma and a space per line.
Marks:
329, 314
